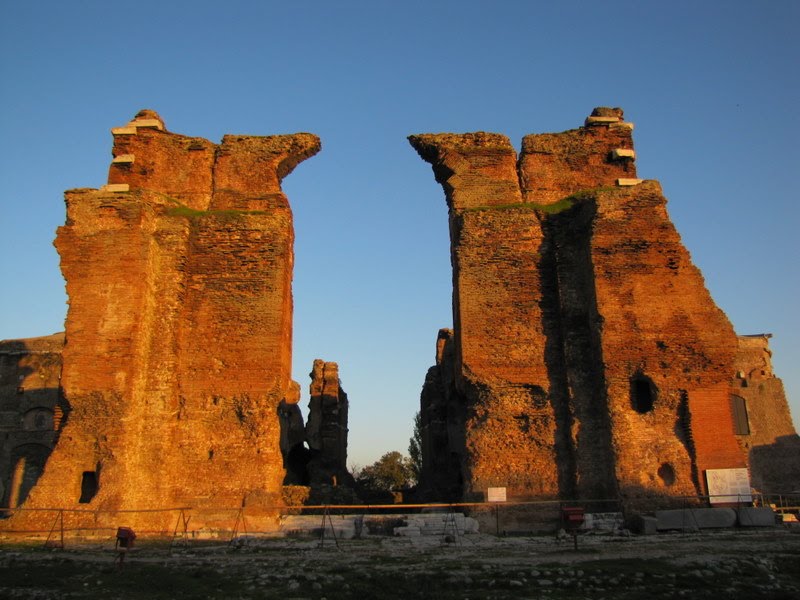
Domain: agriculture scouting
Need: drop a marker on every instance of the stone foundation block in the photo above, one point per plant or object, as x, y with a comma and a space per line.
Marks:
695, 518
756, 516
602, 521
644, 525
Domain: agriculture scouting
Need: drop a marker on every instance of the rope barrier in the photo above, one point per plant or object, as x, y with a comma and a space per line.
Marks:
60, 525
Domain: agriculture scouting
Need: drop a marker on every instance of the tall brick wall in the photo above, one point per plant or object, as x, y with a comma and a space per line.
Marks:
554, 165
178, 334
500, 369
573, 296
31, 412
768, 436
658, 321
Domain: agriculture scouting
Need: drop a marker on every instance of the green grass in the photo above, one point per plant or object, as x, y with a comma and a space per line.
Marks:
548, 209
557, 207
571, 200
190, 213
526, 206
184, 211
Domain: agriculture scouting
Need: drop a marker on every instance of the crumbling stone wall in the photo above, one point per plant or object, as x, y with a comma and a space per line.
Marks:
499, 342
660, 336
442, 426
589, 359
32, 412
178, 334
326, 429
315, 454
763, 423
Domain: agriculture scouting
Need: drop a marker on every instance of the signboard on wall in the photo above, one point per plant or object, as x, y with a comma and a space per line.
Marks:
496, 494
726, 486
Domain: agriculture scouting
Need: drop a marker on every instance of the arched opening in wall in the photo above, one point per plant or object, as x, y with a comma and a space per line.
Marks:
38, 419
643, 393
420, 301
667, 474
741, 424
90, 484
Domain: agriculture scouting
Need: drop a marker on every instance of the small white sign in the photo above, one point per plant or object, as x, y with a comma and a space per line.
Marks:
726, 486
497, 494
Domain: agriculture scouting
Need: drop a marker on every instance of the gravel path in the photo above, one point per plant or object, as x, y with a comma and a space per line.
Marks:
741, 564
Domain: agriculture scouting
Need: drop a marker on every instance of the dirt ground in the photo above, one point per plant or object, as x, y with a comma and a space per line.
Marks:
731, 564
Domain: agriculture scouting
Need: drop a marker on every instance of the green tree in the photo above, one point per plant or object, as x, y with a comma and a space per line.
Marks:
390, 471
415, 447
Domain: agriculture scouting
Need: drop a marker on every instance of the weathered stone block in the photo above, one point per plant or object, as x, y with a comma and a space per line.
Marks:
115, 187
147, 123
607, 522
755, 516
695, 518
645, 525
619, 153
601, 120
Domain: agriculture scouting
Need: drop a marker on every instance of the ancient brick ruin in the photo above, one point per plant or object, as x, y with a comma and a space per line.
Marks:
179, 329
588, 360
315, 454
762, 422
326, 430
31, 412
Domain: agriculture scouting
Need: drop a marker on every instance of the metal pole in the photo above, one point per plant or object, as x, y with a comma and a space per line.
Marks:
322, 534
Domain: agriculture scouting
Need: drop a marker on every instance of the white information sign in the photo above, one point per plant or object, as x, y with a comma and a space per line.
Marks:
727, 486
497, 494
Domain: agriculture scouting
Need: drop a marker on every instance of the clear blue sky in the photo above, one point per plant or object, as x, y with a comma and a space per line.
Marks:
712, 87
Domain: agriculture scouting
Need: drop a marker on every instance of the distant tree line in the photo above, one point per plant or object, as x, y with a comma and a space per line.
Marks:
393, 471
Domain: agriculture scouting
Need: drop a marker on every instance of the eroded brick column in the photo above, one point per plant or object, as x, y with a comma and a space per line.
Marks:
178, 335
